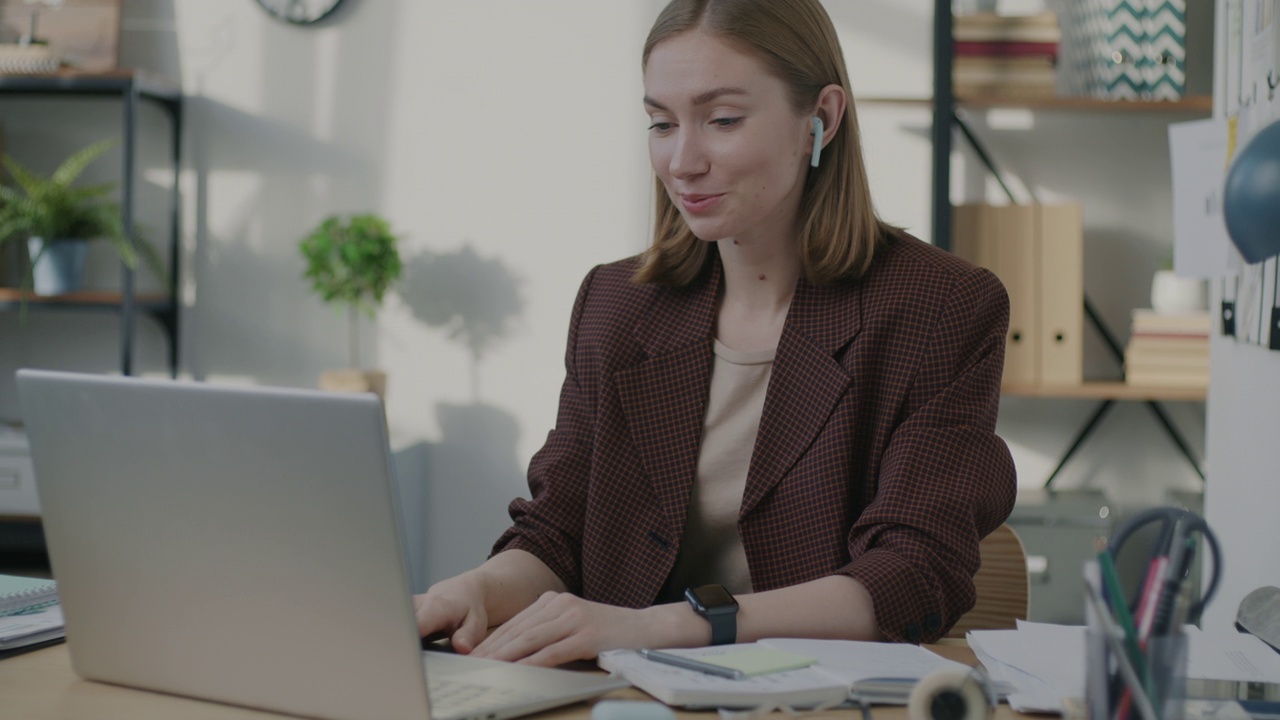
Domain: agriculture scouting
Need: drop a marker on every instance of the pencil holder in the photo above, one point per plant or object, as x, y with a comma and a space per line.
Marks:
1167, 671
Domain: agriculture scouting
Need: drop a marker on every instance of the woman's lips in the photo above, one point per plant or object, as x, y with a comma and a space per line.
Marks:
698, 204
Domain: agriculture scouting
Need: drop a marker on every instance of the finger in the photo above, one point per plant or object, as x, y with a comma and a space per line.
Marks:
528, 618
470, 634
559, 653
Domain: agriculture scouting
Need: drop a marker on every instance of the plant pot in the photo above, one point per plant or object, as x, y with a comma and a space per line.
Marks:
353, 380
61, 269
1173, 295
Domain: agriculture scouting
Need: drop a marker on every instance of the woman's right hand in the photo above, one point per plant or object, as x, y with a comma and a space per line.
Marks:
454, 608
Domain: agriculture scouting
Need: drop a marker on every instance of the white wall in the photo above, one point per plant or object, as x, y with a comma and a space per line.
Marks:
505, 140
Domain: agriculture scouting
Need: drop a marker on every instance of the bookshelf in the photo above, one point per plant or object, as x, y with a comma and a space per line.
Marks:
130, 88
945, 105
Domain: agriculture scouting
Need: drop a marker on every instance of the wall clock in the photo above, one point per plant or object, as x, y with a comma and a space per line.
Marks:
300, 12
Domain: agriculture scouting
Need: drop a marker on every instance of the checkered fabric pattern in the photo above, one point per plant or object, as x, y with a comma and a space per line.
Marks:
876, 455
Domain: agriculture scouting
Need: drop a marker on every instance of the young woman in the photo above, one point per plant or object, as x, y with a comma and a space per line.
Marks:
784, 399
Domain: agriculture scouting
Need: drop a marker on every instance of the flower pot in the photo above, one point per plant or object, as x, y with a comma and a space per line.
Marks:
352, 380
1173, 295
61, 269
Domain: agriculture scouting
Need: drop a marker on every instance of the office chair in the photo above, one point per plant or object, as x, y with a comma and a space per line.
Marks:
1002, 585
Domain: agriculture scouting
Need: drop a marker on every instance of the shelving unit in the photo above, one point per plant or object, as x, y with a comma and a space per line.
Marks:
946, 119
131, 88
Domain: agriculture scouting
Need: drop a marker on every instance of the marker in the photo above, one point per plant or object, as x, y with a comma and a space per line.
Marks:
690, 664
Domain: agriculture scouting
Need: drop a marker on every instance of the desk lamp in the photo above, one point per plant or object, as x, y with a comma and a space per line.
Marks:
1251, 199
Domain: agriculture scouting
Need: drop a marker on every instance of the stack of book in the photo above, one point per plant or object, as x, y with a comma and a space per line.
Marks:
1008, 56
1168, 350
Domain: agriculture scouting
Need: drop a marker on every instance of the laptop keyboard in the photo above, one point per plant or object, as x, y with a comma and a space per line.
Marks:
455, 698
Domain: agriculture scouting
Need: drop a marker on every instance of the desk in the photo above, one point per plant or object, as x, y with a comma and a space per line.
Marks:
40, 686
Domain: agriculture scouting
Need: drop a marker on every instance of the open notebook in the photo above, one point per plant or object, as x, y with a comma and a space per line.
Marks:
23, 595
841, 664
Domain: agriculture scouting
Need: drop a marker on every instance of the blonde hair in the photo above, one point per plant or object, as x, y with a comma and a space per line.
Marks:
839, 229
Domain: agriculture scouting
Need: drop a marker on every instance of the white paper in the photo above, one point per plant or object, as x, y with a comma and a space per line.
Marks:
1198, 157
1230, 656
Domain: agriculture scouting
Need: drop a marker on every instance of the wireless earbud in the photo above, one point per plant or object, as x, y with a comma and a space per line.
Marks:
818, 130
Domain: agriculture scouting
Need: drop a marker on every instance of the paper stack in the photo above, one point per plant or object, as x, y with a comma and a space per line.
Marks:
1008, 56
1168, 350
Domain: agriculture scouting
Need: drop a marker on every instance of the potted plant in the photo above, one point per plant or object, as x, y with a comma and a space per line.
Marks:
352, 262
58, 221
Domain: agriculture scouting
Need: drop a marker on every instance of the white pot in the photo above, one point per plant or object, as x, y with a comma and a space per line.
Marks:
1173, 295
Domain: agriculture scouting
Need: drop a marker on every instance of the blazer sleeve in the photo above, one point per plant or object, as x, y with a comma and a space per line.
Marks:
946, 480
550, 524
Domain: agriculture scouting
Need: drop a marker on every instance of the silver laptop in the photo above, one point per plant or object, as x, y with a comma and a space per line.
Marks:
243, 546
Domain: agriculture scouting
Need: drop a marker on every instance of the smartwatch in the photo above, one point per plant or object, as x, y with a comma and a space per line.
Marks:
715, 604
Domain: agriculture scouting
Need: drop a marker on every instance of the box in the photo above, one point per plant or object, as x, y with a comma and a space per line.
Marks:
1060, 531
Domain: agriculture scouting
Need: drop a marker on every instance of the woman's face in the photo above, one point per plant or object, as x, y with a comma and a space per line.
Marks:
725, 141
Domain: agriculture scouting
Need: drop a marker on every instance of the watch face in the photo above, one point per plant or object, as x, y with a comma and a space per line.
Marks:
711, 597
300, 12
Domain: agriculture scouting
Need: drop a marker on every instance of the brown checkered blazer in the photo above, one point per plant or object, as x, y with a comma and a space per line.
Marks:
876, 455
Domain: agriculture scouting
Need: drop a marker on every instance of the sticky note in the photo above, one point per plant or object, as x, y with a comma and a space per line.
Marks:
759, 660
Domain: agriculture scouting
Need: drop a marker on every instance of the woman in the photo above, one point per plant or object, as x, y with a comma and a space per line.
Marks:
783, 399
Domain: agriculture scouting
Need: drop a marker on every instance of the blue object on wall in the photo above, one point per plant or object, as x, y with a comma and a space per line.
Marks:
1251, 200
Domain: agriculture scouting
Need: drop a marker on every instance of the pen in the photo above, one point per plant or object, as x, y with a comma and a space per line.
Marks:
690, 664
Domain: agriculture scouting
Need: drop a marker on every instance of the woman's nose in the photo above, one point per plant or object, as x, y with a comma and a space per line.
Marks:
690, 157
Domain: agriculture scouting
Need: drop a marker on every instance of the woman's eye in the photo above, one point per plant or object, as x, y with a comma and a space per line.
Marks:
726, 122
661, 126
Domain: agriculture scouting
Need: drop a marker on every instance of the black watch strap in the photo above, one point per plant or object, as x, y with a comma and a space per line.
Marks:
724, 628
718, 606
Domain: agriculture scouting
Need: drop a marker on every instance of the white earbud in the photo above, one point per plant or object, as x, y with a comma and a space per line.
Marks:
818, 131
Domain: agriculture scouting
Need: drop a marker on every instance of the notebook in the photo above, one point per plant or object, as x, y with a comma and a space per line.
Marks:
24, 595
841, 664
243, 545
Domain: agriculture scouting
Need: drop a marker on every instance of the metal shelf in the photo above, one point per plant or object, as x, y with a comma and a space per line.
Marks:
131, 87
945, 122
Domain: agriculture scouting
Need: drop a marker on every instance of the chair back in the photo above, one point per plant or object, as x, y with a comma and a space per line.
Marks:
1002, 585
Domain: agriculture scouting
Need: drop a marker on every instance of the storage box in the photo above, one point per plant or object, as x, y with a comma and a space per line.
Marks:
1060, 531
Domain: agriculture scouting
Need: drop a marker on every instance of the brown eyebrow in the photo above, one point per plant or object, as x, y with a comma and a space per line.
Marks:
702, 99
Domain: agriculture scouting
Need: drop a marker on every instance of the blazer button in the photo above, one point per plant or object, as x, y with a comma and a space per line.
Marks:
913, 632
932, 622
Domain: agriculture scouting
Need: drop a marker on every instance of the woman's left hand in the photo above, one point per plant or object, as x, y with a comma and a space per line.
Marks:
561, 627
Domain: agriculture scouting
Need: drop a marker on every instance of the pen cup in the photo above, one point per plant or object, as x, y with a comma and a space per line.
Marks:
1167, 669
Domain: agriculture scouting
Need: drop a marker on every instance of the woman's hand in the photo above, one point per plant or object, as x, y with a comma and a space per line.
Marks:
456, 608
561, 627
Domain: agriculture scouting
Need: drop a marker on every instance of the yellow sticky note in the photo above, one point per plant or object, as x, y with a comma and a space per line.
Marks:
759, 660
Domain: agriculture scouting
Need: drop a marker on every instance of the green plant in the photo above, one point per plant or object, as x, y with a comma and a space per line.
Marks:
353, 263
51, 209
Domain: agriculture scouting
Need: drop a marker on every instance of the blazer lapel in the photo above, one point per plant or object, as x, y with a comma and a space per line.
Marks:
664, 396
806, 382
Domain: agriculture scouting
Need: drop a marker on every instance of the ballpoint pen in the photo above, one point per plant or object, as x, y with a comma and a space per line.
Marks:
691, 664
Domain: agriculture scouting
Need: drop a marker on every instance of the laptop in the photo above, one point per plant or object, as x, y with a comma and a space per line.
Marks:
242, 545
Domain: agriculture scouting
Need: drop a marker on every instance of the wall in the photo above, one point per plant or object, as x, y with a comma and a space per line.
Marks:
505, 140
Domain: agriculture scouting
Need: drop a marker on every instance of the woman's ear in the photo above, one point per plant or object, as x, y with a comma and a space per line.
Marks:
832, 102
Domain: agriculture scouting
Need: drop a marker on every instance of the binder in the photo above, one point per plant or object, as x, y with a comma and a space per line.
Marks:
1127, 49
1037, 251
1061, 273
1017, 264
1164, 67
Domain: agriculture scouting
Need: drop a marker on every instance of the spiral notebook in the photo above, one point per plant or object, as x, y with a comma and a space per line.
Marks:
23, 595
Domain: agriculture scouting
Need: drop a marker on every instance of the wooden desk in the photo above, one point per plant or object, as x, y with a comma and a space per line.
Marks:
40, 686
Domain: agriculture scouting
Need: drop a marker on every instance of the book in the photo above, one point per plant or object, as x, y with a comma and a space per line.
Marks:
840, 664
990, 27
29, 630
23, 595
1002, 49
1150, 321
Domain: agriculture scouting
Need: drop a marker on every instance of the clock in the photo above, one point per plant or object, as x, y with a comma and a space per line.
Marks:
300, 12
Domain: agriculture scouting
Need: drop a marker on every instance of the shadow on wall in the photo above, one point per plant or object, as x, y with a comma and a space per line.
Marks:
476, 300
454, 493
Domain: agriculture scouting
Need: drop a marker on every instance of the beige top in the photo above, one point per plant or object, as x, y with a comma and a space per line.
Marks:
711, 551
